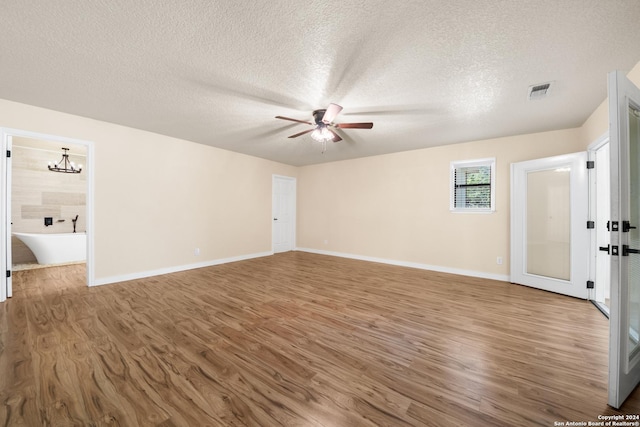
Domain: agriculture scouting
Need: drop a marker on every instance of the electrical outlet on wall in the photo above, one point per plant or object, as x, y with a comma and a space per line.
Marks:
196, 251
499, 260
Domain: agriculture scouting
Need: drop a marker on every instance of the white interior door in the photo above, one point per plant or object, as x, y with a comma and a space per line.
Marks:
284, 213
549, 211
624, 332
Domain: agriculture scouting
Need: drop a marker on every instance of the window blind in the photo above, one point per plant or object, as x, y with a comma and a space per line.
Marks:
472, 187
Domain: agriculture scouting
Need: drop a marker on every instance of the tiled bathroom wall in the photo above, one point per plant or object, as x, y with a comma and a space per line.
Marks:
37, 192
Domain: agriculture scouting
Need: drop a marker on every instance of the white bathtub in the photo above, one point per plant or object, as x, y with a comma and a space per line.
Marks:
56, 248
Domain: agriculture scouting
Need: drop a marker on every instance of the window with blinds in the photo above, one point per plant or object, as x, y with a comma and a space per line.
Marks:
472, 185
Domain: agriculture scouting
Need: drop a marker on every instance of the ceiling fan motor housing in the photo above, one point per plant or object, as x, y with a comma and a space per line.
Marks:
318, 115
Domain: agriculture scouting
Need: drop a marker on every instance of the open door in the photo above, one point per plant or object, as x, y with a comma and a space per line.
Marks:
549, 236
624, 333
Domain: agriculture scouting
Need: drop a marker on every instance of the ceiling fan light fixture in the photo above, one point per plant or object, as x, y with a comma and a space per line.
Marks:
323, 119
322, 134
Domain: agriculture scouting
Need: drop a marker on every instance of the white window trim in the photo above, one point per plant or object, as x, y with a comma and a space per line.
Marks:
489, 161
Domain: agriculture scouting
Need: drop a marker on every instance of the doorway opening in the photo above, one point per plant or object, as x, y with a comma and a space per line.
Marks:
48, 209
47, 214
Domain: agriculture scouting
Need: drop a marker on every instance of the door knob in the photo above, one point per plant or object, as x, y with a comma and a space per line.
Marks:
604, 248
275, 219
626, 250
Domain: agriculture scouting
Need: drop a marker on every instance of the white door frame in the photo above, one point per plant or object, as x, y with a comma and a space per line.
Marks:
5, 195
576, 286
598, 292
293, 212
6, 289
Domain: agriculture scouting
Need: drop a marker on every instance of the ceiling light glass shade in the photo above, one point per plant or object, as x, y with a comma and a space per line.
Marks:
322, 134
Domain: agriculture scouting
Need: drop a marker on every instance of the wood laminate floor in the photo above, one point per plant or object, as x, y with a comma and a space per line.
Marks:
298, 339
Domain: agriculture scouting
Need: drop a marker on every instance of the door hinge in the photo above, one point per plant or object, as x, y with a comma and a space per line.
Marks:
8, 153
591, 164
591, 284
8, 273
591, 224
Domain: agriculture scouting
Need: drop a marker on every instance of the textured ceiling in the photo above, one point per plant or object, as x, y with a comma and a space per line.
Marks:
427, 73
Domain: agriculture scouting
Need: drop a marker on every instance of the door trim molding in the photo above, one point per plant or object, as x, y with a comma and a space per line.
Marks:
5, 193
592, 149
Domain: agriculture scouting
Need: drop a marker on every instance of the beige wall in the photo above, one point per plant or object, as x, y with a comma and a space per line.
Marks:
396, 207
37, 193
158, 198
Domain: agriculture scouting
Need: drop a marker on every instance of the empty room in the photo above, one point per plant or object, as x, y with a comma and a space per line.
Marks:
355, 213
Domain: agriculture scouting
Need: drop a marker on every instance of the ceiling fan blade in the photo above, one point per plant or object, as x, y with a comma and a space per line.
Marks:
302, 133
354, 125
294, 120
336, 137
331, 113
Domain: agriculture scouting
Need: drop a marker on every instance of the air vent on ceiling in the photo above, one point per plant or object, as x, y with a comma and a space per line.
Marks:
539, 91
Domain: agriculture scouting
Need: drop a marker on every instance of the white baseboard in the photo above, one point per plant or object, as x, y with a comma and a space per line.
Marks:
481, 274
175, 269
168, 270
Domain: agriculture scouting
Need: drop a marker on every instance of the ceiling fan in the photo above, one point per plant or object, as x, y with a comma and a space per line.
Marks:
323, 122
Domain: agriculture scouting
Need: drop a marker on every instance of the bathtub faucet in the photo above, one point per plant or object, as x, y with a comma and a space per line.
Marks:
74, 223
